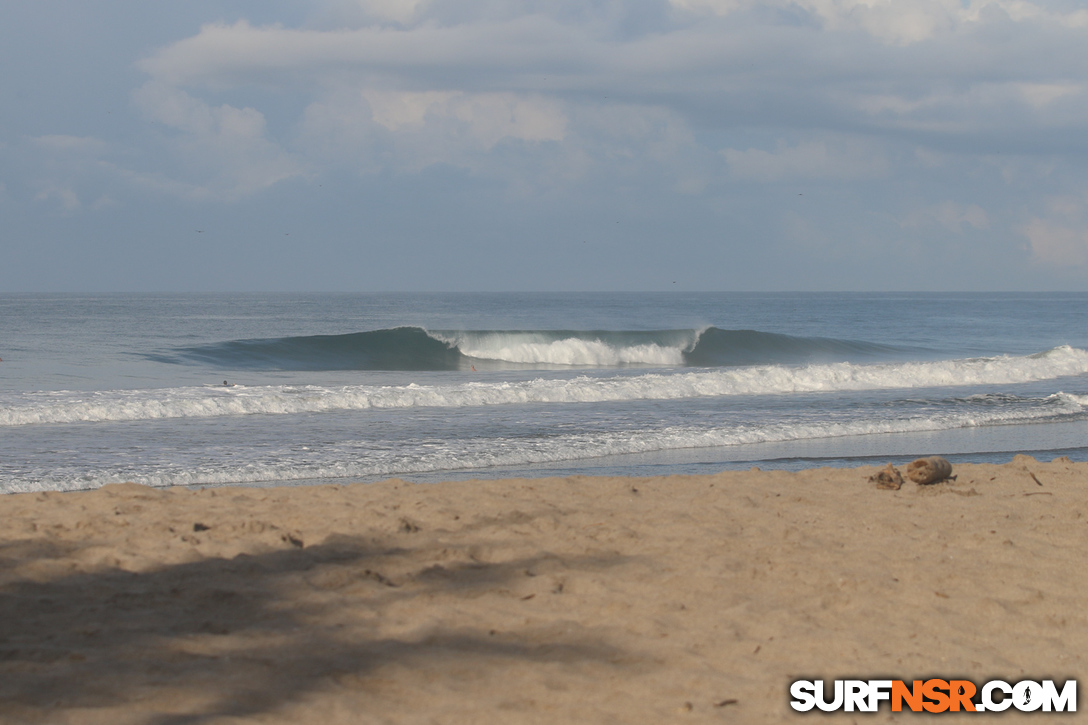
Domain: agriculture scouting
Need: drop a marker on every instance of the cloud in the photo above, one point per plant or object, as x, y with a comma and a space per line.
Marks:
85, 146
401, 11
224, 56
742, 70
64, 165
221, 153
535, 92
225, 147
1060, 238
530, 142
78, 173
487, 117
409, 130
1057, 244
1041, 95
950, 215
920, 126
842, 161
899, 22
68, 198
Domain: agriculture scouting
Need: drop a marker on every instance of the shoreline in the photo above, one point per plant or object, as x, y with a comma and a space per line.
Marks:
578, 599
993, 444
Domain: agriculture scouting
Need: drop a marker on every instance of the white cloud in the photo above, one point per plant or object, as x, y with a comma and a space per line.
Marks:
839, 161
1060, 238
225, 56
487, 117
676, 111
409, 130
225, 147
1057, 244
899, 22
401, 11
1040, 95
534, 92
544, 143
396, 111
773, 72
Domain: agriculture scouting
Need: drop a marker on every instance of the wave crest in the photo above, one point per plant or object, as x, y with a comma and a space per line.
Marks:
62, 407
413, 348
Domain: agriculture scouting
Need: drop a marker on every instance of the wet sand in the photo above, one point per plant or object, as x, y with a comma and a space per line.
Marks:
694, 599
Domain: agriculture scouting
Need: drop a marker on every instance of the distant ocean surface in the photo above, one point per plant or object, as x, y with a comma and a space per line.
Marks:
96, 389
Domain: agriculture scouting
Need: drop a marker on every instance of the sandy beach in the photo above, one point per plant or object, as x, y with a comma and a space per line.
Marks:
597, 600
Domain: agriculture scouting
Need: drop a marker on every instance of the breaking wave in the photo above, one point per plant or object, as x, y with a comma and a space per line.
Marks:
413, 348
362, 459
203, 402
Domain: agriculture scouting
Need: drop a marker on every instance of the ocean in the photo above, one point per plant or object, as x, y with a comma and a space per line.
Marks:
272, 389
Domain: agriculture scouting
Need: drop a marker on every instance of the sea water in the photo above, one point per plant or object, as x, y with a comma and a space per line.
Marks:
260, 389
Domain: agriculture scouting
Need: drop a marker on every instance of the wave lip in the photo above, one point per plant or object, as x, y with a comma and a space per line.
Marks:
413, 348
200, 402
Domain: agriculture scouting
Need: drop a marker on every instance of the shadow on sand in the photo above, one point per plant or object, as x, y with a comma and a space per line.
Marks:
249, 635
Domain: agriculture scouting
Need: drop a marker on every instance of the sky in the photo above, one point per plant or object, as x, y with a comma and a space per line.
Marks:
581, 145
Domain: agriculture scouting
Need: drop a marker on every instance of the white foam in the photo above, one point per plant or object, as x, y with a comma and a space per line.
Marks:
530, 348
1071, 398
364, 459
201, 402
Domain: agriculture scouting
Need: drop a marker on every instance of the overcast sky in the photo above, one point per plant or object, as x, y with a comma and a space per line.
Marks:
361, 145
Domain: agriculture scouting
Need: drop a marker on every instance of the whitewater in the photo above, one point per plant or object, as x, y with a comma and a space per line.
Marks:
260, 389
205, 401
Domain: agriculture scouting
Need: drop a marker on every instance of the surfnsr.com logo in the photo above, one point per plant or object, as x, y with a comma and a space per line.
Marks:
934, 695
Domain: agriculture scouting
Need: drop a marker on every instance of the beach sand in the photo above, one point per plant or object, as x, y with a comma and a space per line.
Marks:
686, 599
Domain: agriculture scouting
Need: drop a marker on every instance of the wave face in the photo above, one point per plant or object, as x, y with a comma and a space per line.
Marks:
402, 348
206, 402
750, 347
413, 348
